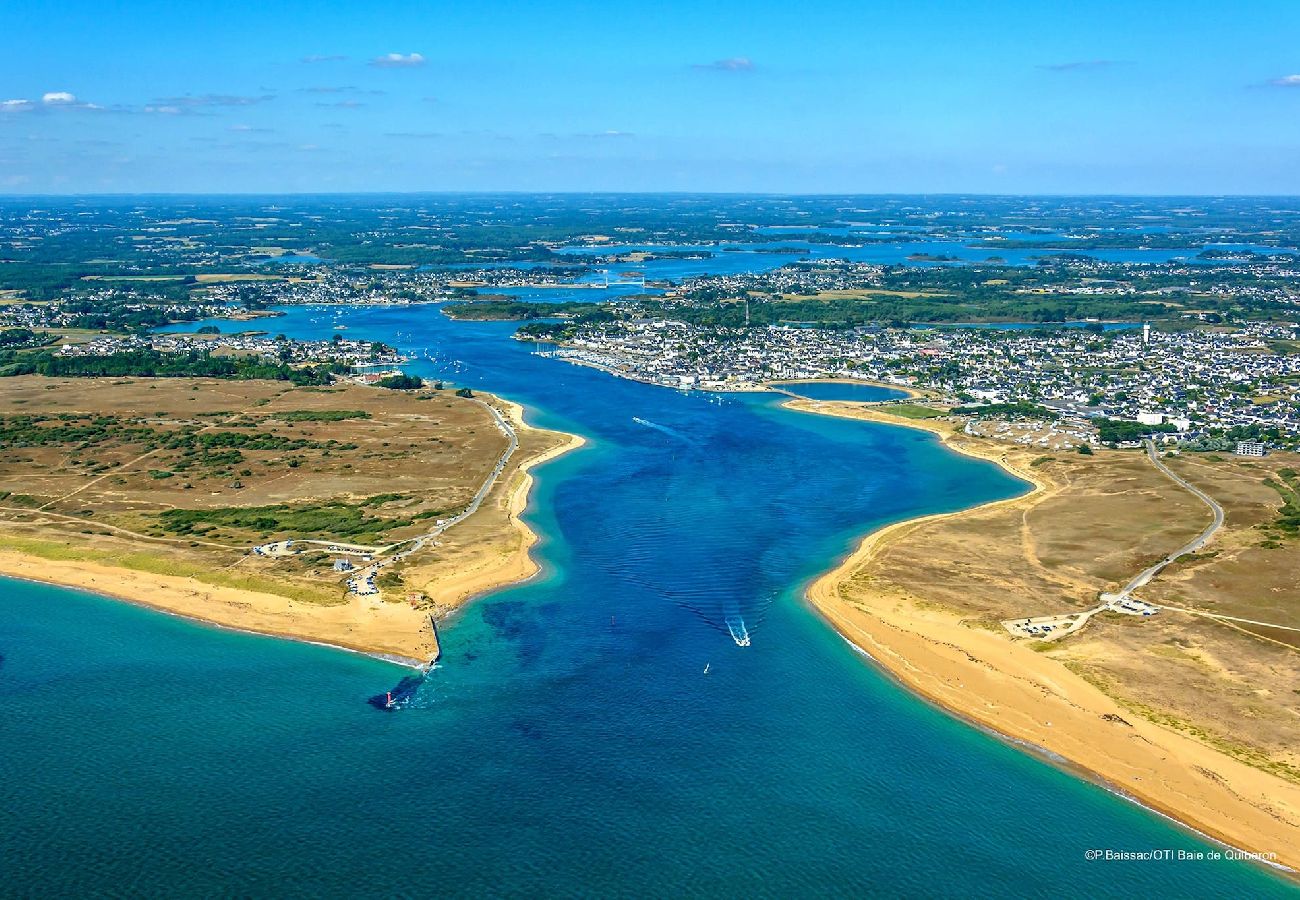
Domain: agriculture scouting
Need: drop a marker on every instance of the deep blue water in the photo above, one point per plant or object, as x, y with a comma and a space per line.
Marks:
570, 743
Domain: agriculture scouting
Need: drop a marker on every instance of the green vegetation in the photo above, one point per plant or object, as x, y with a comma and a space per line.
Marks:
1287, 521
151, 364
1021, 410
514, 310
332, 520
45, 431
401, 382
913, 411
77, 433
1116, 431
12, 338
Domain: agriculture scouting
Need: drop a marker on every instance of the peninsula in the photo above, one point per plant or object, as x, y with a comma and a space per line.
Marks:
336, 513
1190, 708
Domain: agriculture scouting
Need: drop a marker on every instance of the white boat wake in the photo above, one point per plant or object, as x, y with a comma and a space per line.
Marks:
739, 633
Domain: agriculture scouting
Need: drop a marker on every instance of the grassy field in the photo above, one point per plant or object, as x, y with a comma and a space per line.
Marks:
914, 411
1104, 518
183, 475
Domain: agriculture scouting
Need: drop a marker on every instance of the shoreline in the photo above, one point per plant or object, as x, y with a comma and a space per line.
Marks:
1036, 703
521, 566
389, 631
396, 659
1053, 758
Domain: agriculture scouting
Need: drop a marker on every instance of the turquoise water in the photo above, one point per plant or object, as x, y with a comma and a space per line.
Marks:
570, 743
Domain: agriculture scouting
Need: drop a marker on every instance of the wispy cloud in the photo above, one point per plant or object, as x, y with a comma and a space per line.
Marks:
1080, 65
322, 58
1286, 81
248, 129
588, 135
340, 89
343, 104
191, 103
414, 135
734, 64
398, 61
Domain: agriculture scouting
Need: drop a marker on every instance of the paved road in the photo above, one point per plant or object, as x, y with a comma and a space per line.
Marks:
1192, 546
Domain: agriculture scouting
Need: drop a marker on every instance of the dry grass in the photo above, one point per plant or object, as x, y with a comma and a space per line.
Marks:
426, 454
1101, 520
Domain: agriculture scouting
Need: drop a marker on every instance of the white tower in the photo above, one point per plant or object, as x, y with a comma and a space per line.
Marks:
1146, 332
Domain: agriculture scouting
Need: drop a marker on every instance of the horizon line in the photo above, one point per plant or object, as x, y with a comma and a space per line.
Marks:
640, 193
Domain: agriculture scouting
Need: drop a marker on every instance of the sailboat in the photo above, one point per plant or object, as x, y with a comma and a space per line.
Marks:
706, 668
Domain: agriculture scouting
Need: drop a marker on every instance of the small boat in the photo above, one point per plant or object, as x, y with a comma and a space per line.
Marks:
706, 668
739, 633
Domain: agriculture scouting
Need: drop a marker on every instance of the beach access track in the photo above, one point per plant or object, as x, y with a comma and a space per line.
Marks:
1052, 628
362, 582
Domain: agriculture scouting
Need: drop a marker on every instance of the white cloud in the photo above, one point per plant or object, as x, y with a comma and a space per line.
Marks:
398, 60
1286, 81
49, 100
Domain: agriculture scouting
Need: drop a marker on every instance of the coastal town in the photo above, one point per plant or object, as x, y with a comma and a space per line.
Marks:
358, 357
1191, 384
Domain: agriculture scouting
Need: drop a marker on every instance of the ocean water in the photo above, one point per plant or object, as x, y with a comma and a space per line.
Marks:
570, 742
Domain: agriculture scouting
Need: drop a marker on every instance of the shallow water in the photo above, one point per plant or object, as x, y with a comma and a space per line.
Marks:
569, 742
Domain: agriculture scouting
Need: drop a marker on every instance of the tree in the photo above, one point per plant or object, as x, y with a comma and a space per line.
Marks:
401, 382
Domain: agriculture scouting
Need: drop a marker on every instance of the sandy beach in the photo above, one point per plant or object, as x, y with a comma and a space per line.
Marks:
491, 549
985, 677
487, 551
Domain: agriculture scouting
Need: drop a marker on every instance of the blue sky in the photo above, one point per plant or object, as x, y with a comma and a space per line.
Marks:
998, 97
